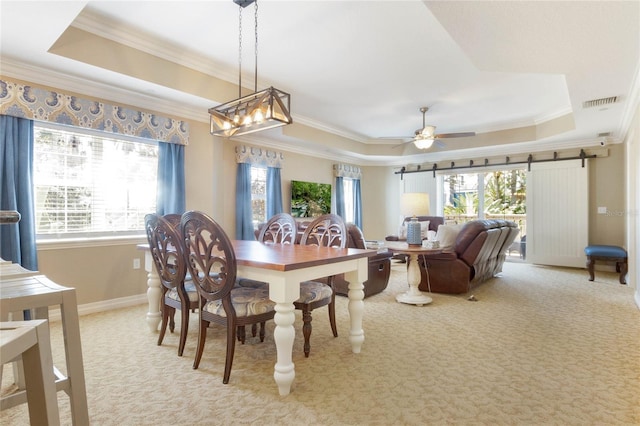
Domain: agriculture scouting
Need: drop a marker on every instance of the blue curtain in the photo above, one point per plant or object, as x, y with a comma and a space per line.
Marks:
244, 224
274, 192
340, 197
18, 241
357, 203
170, 196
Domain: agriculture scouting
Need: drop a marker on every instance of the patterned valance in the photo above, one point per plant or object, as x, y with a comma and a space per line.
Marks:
35, 103
259, 156
347, 170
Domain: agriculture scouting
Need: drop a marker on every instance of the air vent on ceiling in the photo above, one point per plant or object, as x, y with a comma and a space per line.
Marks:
604, 134
600, 102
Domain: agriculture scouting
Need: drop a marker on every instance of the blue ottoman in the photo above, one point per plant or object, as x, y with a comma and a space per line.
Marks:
608, 254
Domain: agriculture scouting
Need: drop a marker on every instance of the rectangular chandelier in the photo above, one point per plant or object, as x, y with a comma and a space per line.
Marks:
258, 111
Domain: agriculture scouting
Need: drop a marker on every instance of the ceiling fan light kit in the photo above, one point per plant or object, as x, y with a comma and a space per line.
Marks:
424, 137
422, 143
257, 111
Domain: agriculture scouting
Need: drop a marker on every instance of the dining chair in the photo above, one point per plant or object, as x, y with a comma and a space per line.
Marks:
280, 228
212, 264
177, 293
328, 230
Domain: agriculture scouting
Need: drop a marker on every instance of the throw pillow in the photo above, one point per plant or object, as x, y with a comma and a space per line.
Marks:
424, 229
447, 234
402, 232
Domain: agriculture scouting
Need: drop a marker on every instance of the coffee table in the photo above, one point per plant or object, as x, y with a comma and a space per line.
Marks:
413, 296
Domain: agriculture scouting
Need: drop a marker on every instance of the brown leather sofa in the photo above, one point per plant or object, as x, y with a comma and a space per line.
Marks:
379, 264
478, 255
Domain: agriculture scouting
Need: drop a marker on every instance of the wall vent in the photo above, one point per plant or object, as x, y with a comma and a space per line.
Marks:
600, 102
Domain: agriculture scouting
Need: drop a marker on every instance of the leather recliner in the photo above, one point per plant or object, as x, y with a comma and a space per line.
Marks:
379, 267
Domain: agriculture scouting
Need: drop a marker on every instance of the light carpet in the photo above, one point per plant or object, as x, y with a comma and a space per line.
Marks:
540, 345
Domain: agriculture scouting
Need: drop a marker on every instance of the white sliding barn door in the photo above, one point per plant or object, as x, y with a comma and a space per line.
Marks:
557, 213
419, 182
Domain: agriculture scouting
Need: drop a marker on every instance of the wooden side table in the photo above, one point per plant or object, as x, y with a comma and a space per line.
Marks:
30, 340
38, 292
413, 296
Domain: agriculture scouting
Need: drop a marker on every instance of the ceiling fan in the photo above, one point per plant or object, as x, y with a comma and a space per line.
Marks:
424, 137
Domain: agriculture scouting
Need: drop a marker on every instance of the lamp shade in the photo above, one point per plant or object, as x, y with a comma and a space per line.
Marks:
414, 204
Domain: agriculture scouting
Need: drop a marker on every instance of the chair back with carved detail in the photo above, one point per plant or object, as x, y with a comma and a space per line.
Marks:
328, 230
165, 246
281, 229
210, 257
174, 220
166, 251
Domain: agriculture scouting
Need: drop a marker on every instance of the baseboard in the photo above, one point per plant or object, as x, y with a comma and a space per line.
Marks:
104, 305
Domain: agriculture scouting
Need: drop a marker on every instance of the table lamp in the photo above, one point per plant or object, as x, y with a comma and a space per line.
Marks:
414, 204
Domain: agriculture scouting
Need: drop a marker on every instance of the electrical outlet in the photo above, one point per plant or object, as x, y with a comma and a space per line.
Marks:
136, 263
602, 210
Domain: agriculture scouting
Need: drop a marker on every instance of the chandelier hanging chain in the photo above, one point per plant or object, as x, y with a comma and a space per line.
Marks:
239, 51
255, 82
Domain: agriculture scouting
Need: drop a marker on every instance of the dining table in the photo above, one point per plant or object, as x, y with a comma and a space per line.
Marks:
284, 267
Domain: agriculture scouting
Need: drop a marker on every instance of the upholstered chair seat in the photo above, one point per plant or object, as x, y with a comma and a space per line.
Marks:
190, 288
312, 291
246, 301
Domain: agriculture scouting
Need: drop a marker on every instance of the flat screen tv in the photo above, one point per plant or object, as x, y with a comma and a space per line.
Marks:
310, 199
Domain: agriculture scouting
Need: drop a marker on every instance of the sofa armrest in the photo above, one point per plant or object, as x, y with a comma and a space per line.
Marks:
441, 256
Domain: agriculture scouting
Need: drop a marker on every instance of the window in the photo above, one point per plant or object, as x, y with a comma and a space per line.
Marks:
258, 195
89, 185
349, 200
498, 194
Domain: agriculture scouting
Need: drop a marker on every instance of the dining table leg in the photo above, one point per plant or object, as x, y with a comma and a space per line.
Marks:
356, 304
154, 293
284, 333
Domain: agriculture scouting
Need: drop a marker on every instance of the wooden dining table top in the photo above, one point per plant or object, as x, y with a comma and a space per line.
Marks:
288, 257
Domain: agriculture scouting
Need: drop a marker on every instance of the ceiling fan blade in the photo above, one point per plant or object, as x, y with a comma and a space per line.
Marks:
455, 135
395, 137
401, 144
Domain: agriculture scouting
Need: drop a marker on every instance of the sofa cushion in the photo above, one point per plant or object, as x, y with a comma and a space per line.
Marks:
447, 235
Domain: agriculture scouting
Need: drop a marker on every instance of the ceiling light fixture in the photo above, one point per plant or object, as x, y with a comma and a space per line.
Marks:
424, 137
258, 111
